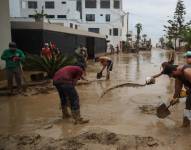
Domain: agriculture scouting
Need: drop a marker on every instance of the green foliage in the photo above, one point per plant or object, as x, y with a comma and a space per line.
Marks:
177, 25
138, 27
38, 16
187, 37
50, 66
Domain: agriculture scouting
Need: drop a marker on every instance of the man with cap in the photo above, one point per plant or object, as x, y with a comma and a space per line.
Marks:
13, 58
182, 76
188, 57
46, 51
65, 80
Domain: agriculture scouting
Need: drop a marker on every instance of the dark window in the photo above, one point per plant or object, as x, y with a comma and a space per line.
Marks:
90, 3
90, 17
49, 5
105, 4
31, 16
76, 26
63, 2
115, 32
95, 30
107, 17
32, 4
101, 14
61, 16
79, 7
116, 4
71, 25
50, 16
110, 32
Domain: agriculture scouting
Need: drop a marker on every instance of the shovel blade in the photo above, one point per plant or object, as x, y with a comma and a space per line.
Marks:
162, 111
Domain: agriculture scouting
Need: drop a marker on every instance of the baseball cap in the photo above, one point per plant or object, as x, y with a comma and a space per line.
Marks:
187, 54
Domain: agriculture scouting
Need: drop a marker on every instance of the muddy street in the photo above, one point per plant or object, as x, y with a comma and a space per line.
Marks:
124, 118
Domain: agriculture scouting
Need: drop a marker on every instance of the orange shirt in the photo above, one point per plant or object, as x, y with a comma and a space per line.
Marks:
46, 52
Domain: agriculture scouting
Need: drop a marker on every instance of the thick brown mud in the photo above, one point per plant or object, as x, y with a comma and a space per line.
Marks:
123, 119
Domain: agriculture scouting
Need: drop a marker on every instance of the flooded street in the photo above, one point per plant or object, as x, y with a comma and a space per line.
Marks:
126, 111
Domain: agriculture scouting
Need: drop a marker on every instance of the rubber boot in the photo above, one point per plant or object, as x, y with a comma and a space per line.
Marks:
78, 119
65, 113
186, 122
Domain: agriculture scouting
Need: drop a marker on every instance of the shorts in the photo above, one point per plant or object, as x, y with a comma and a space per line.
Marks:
110, 65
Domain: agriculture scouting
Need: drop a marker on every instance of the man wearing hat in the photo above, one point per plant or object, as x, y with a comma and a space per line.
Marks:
188, 57
13, 58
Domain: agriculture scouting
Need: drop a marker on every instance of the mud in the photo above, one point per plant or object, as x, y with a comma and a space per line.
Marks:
123, 119
91, 140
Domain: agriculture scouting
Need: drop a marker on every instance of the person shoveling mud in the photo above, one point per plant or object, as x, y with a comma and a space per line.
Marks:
182, 76
106, 62
65, 80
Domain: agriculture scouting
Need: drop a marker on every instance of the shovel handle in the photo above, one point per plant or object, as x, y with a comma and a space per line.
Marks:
171, 104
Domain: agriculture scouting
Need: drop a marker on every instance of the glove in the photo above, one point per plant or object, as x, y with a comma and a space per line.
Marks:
174, 101
150, 80
183, 94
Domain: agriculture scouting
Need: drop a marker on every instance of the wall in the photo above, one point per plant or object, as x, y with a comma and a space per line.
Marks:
5, 28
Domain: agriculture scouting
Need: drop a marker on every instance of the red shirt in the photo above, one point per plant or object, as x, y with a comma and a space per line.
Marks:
70, 73
46, 52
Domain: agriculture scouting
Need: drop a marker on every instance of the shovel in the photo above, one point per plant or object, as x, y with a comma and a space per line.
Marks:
163, 110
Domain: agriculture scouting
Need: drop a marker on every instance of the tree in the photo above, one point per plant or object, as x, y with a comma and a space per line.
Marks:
138, 27
187, 37
177, 25
161, 40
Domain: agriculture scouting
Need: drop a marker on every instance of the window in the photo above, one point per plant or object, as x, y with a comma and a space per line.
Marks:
71, 25
90, 17
50, 16
105, 4
90, 3
95, 30
32, 4
61, 16
49, 5
116, 4
63, 2
79, 7
107, 17
31, 16
76, 26
110, 32
115, 32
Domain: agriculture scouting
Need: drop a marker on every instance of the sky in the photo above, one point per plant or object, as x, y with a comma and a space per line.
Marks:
153, 15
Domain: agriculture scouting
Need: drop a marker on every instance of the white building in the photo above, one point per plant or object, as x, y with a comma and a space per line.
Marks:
105, 17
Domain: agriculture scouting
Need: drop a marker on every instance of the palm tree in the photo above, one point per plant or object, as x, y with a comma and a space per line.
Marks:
50, 66
138, 27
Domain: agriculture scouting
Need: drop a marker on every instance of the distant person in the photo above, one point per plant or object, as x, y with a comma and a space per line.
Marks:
65, 81
107, 64
81, 55
111, 49
54, 49
117, 49
46, 51
188, 57
13, 58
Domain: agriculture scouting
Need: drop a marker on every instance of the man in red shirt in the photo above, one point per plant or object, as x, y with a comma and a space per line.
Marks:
65, 80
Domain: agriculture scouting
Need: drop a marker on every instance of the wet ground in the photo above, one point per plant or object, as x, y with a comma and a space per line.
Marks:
122, 119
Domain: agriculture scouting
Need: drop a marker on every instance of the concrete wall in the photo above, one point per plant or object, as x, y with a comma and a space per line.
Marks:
5, 29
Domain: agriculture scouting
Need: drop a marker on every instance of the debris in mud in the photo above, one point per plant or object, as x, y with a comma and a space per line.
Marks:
134, 85
90, 140
148, 109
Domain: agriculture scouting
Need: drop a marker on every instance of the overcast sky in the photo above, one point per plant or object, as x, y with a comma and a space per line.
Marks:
153, 14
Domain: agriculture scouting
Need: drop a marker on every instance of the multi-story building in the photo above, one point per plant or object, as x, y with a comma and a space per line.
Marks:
105, 17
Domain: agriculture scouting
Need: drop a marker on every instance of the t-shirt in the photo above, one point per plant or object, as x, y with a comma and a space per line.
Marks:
46, 52
70, 73
8, 55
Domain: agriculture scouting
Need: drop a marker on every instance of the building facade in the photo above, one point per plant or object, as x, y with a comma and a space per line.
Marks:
105, 17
